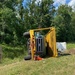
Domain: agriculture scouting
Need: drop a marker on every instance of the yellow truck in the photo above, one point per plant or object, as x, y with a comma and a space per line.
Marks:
41, 44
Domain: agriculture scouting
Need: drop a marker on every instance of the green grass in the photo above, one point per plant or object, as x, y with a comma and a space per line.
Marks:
6, 61
70, 45
63, 65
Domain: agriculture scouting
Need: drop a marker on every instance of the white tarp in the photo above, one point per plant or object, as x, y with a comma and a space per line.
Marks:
61, 46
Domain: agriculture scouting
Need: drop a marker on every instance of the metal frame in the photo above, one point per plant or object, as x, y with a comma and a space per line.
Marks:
50, 38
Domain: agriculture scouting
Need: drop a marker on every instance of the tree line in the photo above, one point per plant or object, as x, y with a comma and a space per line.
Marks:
16, 17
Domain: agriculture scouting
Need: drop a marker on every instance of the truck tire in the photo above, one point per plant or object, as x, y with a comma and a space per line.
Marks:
26, 34
27, 57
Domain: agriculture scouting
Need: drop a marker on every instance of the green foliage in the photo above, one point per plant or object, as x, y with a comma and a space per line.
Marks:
38, 14
15, 19
62, 21
9, 23
73, 26
12, 52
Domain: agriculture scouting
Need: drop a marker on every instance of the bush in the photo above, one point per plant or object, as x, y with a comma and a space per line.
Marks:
11, 52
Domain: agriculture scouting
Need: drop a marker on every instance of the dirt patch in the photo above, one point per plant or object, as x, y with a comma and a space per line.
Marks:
72, 51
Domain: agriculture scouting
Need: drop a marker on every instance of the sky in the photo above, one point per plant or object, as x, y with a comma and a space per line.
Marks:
57, 3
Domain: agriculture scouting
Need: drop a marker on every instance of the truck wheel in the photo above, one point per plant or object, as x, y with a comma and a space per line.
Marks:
26, 34
27, 57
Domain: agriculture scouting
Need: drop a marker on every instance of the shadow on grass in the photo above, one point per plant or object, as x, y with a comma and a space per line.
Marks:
63, 54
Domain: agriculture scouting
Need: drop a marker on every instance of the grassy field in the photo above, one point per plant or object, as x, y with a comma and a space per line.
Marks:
70, 45
63, 65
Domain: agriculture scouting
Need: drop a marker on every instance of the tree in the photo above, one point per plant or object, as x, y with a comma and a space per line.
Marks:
38, 14
72, 27
9, 23
62, 22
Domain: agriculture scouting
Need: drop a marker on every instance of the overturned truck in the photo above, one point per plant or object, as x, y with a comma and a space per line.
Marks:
41, 44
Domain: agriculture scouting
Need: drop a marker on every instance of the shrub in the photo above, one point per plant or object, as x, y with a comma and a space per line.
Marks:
11, 52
